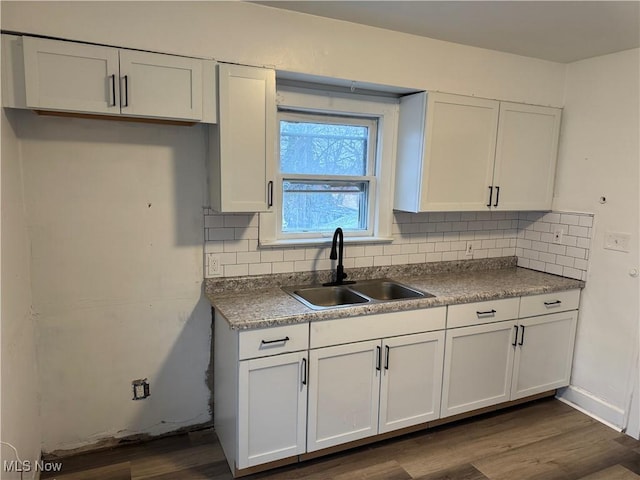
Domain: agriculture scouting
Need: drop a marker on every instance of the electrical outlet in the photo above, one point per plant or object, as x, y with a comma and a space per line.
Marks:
140, 389
213, 267
469, 250
557, 235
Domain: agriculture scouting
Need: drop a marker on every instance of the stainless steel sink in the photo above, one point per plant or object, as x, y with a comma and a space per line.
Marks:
327, 297
361, 292
385, 290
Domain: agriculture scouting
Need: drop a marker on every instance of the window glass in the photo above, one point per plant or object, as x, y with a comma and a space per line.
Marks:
317, 206
323, 148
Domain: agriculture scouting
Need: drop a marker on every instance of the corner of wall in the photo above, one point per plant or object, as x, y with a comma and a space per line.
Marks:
19, 390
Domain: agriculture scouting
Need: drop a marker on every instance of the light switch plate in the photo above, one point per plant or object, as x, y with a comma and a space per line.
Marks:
617, 241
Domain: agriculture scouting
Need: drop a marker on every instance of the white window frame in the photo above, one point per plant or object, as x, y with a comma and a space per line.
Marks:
368, 177
385, 111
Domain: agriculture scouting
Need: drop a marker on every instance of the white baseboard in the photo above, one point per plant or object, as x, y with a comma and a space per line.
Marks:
593, 406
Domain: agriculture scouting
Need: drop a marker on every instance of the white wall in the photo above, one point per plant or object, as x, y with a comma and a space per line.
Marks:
20, 418
115, 221
242, 32
600, 156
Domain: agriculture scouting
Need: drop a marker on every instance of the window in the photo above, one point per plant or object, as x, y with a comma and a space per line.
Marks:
326, 172
334, 168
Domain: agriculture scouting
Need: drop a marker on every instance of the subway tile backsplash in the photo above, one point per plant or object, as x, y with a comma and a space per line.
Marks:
556, 242
417, 238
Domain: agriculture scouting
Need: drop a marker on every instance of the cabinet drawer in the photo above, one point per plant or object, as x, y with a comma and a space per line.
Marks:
478, 313
368, 327
549, 303
274, 340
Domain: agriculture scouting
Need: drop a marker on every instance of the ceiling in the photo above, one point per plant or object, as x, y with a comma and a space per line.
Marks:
560, 31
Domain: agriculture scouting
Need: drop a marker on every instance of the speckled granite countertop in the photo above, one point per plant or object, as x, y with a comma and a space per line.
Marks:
259, 301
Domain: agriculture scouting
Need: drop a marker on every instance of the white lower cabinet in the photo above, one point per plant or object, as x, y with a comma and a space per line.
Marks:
260, 392
272, 408
343, 394
497, 362
411, 381
544, 353
478, 365
362, 389
289, 390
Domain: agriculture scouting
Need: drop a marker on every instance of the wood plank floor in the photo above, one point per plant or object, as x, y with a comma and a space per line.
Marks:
543, 440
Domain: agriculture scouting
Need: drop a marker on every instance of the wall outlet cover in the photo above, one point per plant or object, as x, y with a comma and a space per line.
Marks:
469, 250
557, 235
617, 241
212, 265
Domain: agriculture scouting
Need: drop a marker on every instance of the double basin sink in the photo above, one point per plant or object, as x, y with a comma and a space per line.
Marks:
356, 293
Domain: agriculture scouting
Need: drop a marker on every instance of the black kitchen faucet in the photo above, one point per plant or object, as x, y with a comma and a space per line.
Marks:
337, 249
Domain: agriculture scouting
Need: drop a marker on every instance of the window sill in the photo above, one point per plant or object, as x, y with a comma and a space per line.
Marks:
300, 242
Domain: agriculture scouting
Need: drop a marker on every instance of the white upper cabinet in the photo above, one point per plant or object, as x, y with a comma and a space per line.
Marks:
71, 76
446, 148
526, 155
242, 145
156, 85
458, 153
81, 78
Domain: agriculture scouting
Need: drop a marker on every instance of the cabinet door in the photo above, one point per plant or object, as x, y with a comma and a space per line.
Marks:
69, 76
243, 146
526, 155
460, 142
411, 380
272, 410
156, 85
478, 365
544, 353
344, 388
